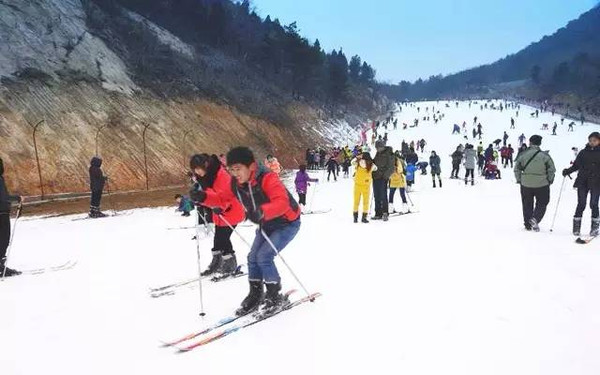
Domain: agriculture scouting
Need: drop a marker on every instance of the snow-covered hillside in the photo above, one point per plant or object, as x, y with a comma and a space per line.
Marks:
457, 288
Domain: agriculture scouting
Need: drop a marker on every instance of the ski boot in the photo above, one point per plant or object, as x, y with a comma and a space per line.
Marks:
534, 224
472, 182
595, 227
228, 264
440, 181
215, 264
385, 216
576, 226
364, 219
376, 217
355, 215
253, 299
273, 299
7, 272
434, 184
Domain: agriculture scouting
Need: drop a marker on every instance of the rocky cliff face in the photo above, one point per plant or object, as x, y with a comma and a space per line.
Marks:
54, 67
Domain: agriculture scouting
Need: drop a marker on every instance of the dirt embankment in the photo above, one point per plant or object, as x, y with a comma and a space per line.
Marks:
73, 116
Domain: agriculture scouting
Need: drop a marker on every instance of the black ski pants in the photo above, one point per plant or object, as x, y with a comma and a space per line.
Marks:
535, 201
96, 198
222, 240
470, 172
380, 196
4, 233
582, 194
455, 170
302, 199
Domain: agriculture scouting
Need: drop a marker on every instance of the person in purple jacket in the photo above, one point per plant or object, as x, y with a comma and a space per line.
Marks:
302, 180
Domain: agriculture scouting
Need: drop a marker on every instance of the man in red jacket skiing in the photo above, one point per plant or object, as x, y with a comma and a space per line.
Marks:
267, 203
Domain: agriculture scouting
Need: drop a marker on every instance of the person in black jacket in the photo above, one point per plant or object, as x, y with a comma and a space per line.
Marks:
587, 183
386, 165
5, 202
457, 157
97, 181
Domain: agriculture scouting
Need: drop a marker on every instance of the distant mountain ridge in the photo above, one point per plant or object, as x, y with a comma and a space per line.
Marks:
564, 64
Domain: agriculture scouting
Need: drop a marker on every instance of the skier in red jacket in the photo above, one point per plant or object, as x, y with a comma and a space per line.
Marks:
213, 190
270, 205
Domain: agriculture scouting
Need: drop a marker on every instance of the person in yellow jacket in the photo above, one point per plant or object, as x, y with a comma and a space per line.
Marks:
363, 177
398, 182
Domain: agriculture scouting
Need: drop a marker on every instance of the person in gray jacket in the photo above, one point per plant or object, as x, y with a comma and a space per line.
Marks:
386, 165
534, 171
470, 161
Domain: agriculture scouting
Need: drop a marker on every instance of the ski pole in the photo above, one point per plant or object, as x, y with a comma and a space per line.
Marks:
12, 237
235, 230
558, 203
408, 196
202, 217
278, 253
312, 199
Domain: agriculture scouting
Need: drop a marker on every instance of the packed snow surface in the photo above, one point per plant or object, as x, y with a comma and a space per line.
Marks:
457, 288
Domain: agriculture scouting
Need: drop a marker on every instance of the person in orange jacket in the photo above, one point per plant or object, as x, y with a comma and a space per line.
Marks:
273, 164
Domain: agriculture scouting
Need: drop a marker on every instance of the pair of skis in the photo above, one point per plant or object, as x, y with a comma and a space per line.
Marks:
393, 214
232, 324
171, 289
39, 271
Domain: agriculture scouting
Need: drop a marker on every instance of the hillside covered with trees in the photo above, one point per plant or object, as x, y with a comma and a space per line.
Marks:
562, 67
149, 82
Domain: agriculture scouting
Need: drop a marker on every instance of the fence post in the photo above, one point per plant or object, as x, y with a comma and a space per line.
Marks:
185, 134
146, 126
37, 158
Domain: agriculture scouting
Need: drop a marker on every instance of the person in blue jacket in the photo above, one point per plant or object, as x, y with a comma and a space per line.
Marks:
410, 175
185, 204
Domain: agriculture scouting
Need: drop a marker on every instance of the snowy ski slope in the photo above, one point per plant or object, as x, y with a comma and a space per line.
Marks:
459, 288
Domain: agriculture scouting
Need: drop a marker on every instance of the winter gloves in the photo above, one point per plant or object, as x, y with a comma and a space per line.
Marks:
255, 216
197, 196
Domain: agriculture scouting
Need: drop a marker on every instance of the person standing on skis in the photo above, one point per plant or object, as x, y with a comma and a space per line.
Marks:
398, 182
436, 169
269, 204
97, 181
457, 157
385, 162
5, 202
470, 158
534, 171
363, 177
302, 182
587, 164
213, 191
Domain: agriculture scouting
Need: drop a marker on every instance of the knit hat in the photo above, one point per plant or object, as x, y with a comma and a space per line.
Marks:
595, 135
536, 140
